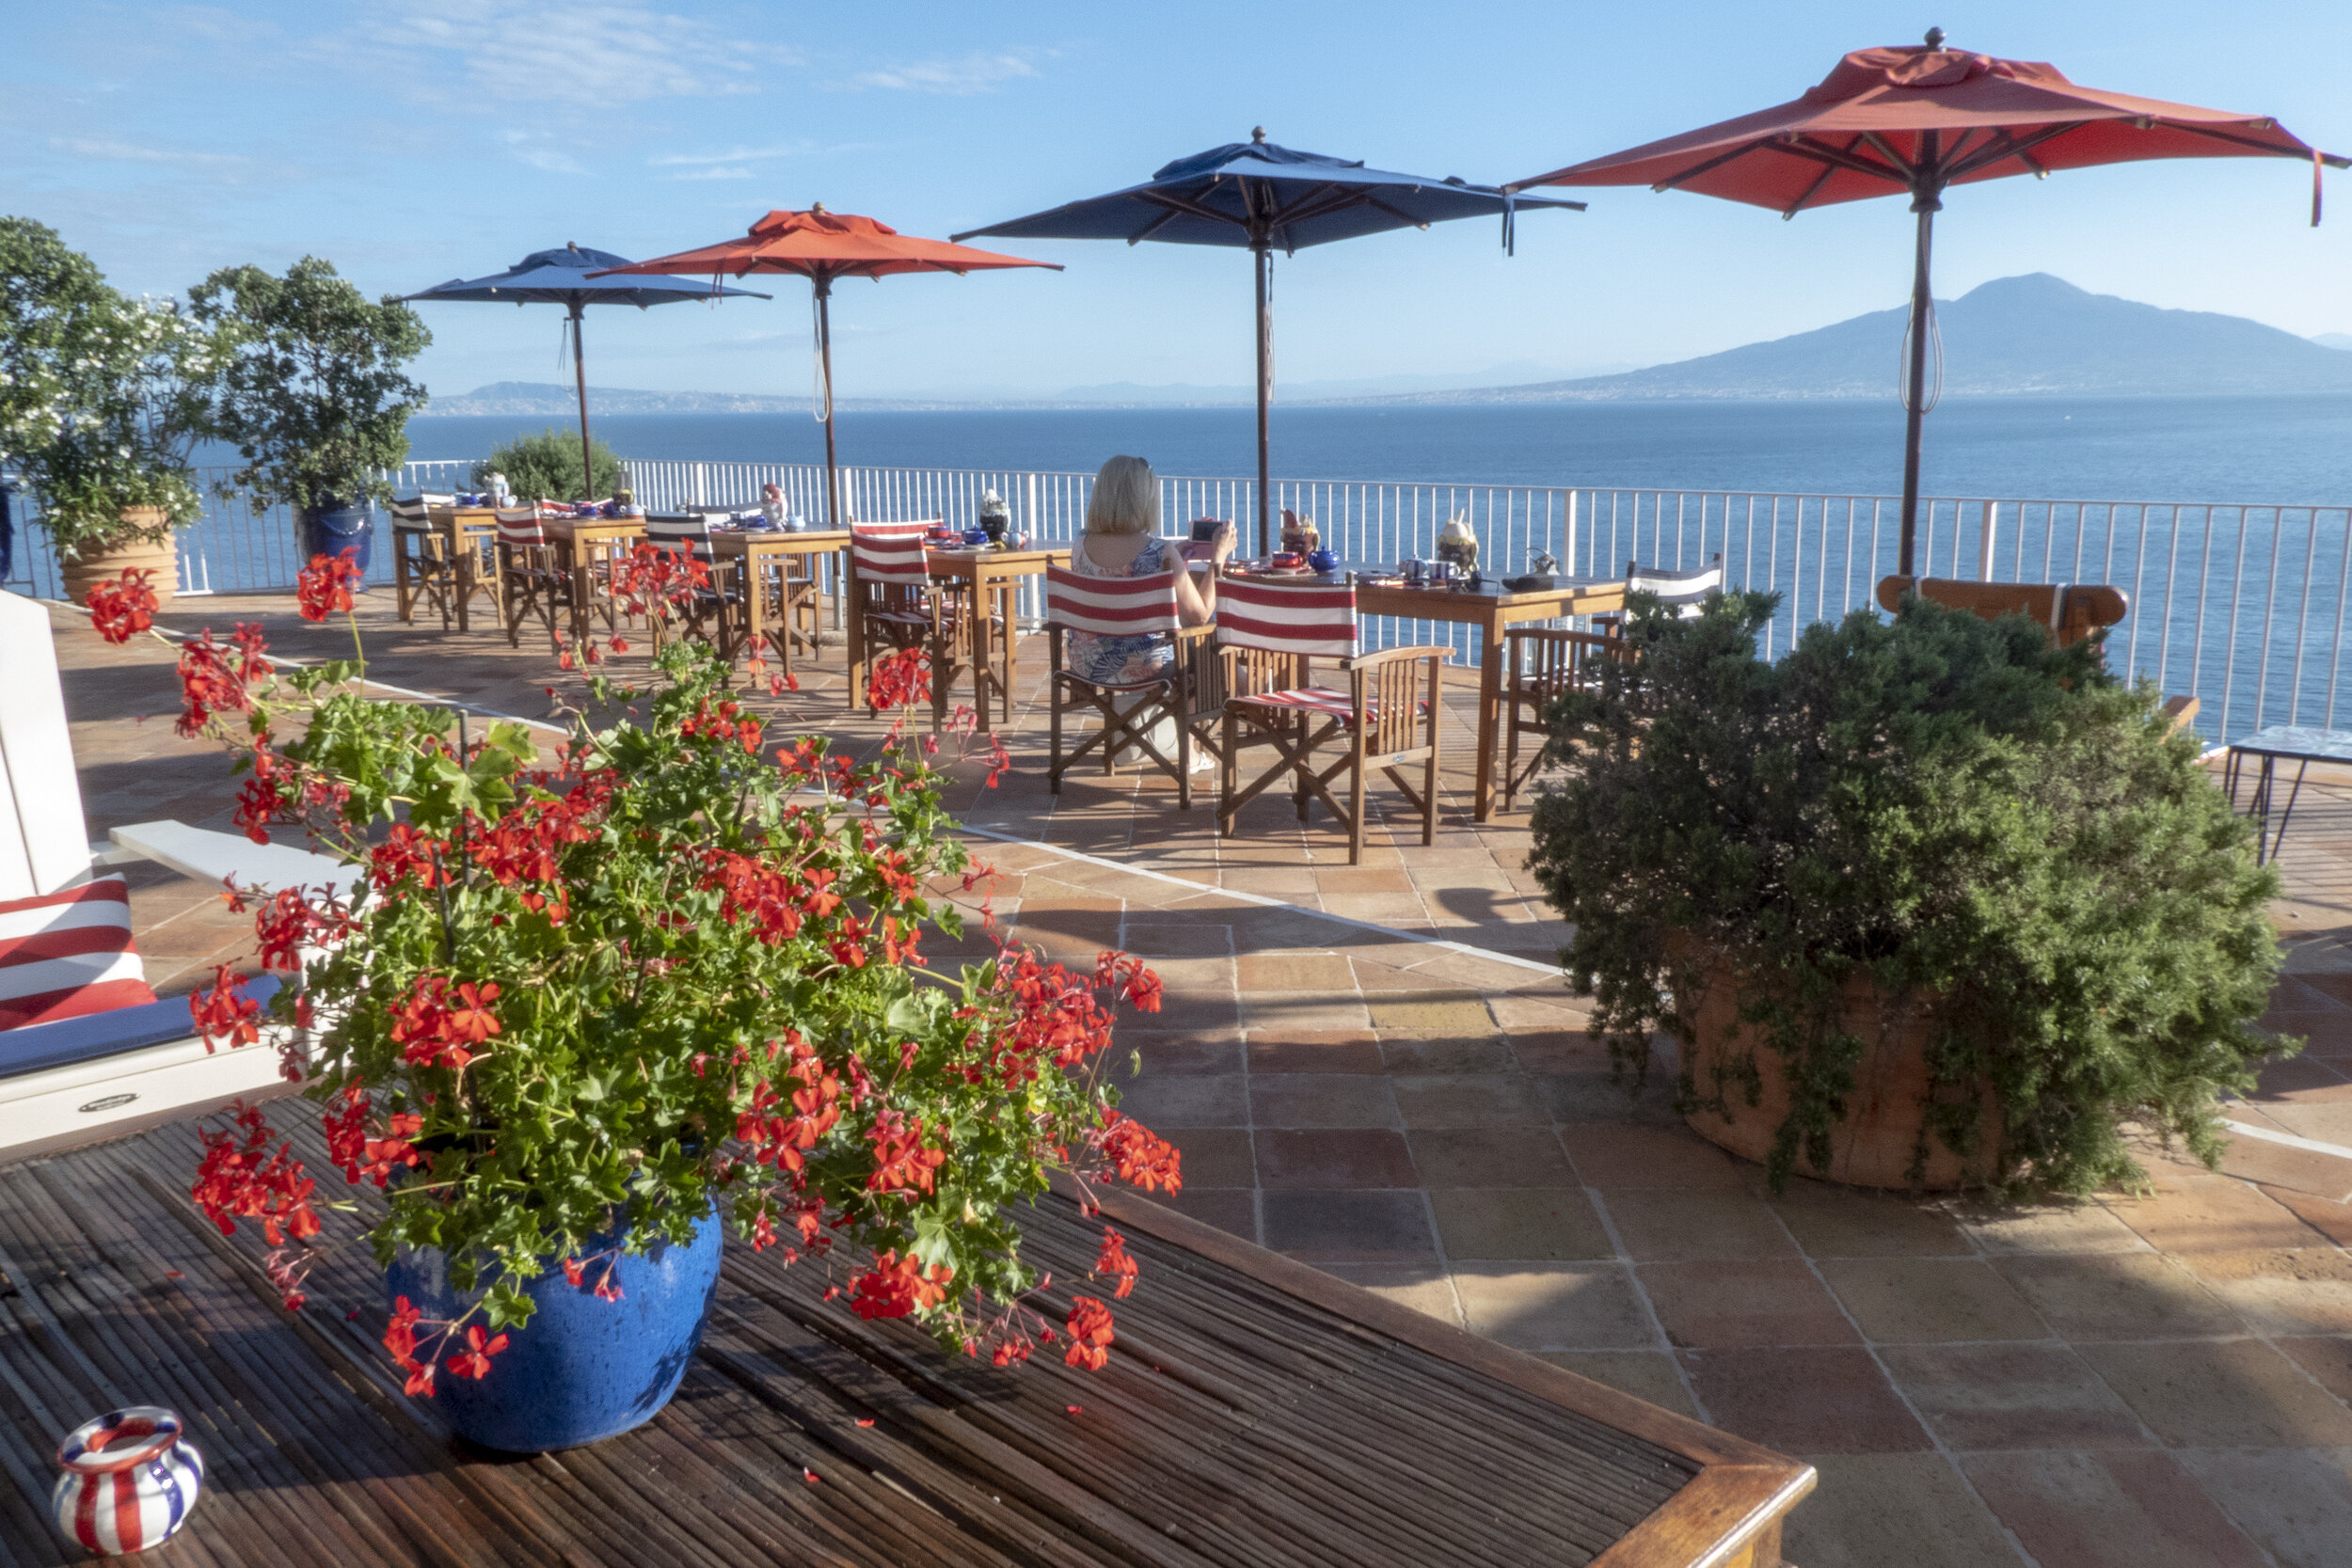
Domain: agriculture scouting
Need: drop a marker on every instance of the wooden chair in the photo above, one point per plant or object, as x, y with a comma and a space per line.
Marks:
424, 566
715, 613
1544, 664
1681, 591
531, 576
898, 606
1132, 606
2069, 610
1270, 635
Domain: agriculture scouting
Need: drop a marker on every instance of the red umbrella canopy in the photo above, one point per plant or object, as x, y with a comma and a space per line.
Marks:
823, 245
1919, 118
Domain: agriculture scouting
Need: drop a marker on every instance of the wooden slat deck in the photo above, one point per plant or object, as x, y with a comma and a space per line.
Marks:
1254, 1413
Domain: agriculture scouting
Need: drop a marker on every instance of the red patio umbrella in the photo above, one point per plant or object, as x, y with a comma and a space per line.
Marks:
1918, 120
821, 247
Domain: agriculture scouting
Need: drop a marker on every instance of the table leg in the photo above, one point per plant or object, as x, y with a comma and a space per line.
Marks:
756, 599
857, 638
464, 563
1489, 708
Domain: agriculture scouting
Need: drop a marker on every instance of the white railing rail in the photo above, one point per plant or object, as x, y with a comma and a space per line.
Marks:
2242, 605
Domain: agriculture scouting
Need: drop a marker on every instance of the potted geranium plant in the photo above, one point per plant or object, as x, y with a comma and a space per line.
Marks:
587, 1003
310, 389
1925, 903
100, 403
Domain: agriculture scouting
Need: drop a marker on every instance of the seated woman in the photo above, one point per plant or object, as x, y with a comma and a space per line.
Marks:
1122, 540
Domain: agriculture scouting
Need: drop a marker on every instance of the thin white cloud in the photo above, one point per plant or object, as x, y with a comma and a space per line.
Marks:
538, 51
721, 173
733, 155
128, 152
979, 72
526, 149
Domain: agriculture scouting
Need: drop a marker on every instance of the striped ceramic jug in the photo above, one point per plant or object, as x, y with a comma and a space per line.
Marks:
129, 1481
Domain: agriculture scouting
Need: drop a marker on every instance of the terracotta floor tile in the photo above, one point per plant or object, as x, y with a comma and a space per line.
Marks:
1181, 1050
1187, 1100
1213, 1156
1825, 1399
2115, 1510
2222, 1393
1350, 1227
2210, 1213
1316, 1010
1521, 1224
1616, 1156
1193, 940
1322, 1100
2047, 1228
1334, 1157
1362, 879
1876, 1509
1286, 973
2329, 1360
1519, 1015
1646, 1374
1296, 1051
1563, 1050
1604, 1096
2307, 1290
1233, 1210
1727, 1303
1830, 1221
2117, 1296
2292, 1502
1458, 1014
1668, 1226
1425, 1288
1980, 1396
1422, 1053
1931, 1300
1380, 908
1497, 1157
1553, 1305
1467, 1100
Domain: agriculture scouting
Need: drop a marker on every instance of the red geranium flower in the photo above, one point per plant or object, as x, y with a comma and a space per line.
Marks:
323, 587
124, 608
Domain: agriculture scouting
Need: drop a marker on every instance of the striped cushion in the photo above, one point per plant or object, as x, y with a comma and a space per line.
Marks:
889, 552
69, 953
1316, 620
1111, 606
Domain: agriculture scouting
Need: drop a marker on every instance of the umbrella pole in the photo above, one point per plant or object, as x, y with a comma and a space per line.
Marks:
579, 376
824, 367
1916, 380
1266, 390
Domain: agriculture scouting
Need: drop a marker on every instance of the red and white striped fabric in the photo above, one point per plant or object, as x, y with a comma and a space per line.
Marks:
520, 525
1111, 606
1317, 621
889, 552
69, 953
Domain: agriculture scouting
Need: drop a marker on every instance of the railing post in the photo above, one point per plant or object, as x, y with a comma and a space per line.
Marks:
1984, 546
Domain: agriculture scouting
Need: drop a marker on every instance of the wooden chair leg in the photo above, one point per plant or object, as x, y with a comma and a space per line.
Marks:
1429, 784
1356, 802
1227, 780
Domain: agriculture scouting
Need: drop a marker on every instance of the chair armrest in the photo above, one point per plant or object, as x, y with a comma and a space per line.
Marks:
1395, 656
1567, 638
210, 857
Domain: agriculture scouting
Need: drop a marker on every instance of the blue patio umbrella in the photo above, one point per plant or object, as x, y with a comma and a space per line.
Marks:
1266, 197
561, 278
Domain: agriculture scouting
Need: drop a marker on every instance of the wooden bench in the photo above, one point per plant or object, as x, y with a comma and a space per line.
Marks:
1255, 1414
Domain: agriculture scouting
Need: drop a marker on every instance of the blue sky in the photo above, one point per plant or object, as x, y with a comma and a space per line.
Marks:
413, 140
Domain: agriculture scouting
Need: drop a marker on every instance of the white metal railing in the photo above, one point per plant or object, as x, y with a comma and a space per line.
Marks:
2242, 605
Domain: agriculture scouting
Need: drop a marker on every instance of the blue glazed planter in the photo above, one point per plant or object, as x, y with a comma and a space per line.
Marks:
332, 529
583, 1369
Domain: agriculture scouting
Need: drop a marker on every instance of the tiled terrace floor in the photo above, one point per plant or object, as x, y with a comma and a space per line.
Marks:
2147, 1379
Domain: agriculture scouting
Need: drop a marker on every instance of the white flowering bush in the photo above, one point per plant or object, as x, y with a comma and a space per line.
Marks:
101, 395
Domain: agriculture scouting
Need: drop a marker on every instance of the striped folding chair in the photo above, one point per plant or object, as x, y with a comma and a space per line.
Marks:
1542, 665
1386, 716
897, 607
1680, 592
423, 564
531, 581
1130, 712
714, 613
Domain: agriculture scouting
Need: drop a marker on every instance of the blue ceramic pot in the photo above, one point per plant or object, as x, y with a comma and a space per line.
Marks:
583, 1369
332, 529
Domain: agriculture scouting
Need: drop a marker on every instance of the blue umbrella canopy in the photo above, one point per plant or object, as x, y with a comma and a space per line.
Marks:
1266, 197
561, 278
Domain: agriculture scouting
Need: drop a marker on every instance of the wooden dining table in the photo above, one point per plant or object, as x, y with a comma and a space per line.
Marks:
466, 534
991, 581
585, 544
755, 548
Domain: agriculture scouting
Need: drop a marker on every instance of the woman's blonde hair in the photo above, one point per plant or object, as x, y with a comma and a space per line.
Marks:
1126, 498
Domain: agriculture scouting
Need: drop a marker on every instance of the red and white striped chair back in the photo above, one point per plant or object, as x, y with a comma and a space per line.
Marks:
889, 552
687, 534
1315, 621
1111, 606
520, 525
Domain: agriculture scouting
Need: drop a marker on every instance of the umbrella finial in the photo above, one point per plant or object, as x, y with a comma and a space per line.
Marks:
1257, 132
1935, 37
817, 207
571, 245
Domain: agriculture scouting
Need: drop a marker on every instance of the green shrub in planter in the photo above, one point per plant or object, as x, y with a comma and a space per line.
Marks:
1984, 826
545, 467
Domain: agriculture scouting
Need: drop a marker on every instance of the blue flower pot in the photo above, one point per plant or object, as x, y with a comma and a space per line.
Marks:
583, 1369
332, 529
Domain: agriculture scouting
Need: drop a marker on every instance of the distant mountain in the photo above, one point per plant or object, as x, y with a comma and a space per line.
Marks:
2333, 339
556, 400
2035, 334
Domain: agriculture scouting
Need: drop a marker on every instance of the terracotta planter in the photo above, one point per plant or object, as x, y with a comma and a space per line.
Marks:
160, 557
1882, 1131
